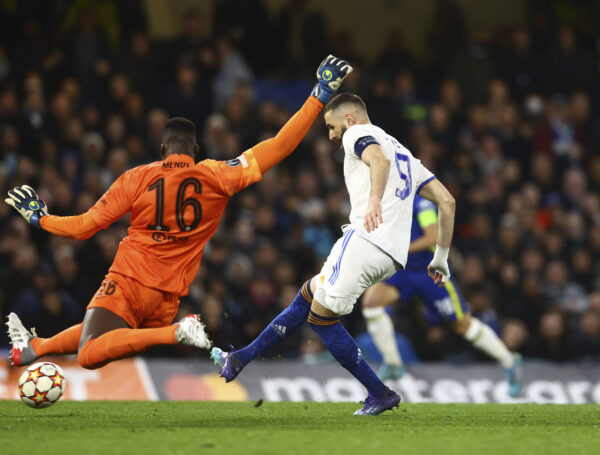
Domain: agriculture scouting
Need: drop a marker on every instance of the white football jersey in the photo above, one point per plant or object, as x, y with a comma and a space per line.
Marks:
407, 177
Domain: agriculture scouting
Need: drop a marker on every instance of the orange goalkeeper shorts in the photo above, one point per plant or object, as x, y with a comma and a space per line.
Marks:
139, 306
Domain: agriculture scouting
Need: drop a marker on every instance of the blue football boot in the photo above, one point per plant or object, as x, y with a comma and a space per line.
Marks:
514, 376
374, 406
229, 365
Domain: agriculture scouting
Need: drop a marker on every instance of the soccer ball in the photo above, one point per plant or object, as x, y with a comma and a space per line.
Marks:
41, 385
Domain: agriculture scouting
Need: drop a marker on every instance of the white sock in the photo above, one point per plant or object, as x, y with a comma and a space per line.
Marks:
381, 328
484, 338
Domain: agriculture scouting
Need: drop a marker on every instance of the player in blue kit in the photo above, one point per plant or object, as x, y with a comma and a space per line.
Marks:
443, 304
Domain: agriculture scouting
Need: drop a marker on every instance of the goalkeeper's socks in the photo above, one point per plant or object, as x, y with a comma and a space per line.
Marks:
286, 323
343, 348
65, 342
120, 343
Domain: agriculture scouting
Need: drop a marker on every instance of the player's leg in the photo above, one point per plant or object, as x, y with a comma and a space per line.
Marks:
342, 346
97, 322
109, 332
107, 337
287, 322
353, 265
381, 328
447, 304
120, 343
481, 335
26, 347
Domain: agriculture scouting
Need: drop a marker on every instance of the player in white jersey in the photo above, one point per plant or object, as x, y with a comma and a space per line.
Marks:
382, 178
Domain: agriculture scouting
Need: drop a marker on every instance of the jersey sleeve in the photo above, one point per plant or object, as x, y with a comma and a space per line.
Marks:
235, 175
356, 139
422, 175
75, 227
116, 202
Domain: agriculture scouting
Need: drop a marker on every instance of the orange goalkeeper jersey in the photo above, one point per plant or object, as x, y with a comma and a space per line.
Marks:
175, 207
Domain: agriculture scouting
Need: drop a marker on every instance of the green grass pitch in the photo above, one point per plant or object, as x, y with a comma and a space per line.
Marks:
296, 428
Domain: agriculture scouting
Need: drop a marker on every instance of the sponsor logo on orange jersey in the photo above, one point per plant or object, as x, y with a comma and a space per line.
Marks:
162, 237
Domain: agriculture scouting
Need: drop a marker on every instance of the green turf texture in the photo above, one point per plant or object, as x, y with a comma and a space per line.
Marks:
296, 428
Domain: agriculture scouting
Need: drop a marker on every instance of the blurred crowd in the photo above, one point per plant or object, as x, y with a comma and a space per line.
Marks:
508, 119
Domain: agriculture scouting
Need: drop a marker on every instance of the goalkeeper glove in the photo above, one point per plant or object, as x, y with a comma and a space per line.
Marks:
330, 75
25, 201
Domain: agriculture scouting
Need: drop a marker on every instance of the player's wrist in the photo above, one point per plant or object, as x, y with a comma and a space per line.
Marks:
322, 93
35, 219
441, 254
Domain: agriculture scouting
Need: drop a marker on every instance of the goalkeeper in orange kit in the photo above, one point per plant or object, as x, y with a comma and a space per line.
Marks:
175, 207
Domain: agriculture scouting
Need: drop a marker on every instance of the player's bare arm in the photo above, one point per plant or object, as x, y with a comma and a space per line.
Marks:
379, 167
437, 193
426, 241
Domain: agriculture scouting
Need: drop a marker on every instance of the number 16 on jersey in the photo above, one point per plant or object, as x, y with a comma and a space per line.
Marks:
181, 204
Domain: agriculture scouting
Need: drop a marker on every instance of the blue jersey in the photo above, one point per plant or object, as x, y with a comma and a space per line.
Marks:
441, 303
424, 214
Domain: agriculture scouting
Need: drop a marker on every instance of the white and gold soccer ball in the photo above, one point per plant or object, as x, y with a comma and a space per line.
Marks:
41, 385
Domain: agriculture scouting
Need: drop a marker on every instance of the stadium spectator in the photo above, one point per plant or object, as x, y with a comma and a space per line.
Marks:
301, 35
138, 62
550, 342
569, 296
232, 71
586, 343
45, 305
515, 335
473, 67
186, 97
88, 55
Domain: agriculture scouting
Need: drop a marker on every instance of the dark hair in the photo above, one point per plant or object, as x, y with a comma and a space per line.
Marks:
179, 128
344, 98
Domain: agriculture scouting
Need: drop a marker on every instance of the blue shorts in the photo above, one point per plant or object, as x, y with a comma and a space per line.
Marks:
442, 304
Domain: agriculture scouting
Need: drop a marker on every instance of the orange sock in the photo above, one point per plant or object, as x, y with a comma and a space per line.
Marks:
65, 342
121, 343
